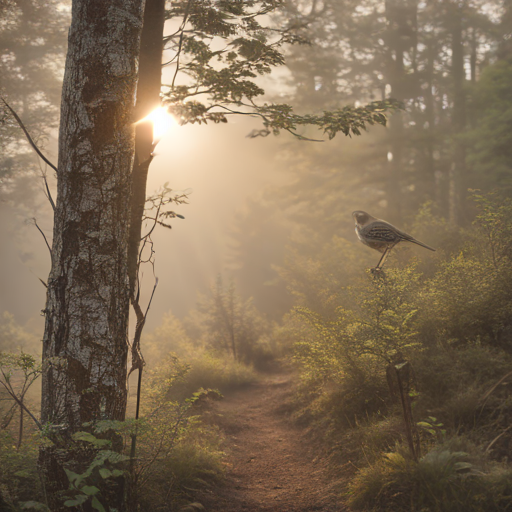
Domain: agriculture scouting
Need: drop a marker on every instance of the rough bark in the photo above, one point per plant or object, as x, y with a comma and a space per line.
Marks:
85, 340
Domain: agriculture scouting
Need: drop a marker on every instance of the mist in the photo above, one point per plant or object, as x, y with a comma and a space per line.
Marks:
274, 345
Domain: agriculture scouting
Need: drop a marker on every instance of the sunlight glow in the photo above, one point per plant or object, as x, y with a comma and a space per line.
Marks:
162, 122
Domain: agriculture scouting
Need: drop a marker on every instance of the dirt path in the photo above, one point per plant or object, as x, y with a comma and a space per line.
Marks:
272, 464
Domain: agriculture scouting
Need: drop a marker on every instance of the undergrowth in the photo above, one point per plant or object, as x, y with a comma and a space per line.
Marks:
446, 326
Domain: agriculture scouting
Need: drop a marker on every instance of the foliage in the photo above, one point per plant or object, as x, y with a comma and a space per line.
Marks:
389, 173
380, 327
105, 465
233, 325
19, 479
203, 370
175, 451
451, 323
33, 37
221, 48
196, 462
169, 336
489, 141
18, 373
442, 480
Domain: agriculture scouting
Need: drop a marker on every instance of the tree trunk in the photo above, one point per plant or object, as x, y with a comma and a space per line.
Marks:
400, 32
85, 340
431, 188
20, 426
458, 168
148, 98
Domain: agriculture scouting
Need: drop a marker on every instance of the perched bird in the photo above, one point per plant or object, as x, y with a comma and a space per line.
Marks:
380, 235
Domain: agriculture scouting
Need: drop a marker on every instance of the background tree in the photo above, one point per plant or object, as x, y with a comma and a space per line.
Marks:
231, 324
360, 51
32, 45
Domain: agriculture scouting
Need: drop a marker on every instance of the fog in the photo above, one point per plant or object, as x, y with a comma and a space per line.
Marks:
399, 373
304, 190
217, 164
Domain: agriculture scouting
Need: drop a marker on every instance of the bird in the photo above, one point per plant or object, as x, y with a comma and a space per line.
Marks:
381, 235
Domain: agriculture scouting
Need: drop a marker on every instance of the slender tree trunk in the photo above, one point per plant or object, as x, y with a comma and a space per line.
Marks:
148, 98
505, 42
432, 191
398, 33
85, 340
458, 169
20, 426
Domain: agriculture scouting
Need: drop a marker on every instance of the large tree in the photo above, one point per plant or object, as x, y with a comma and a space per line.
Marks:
85, 341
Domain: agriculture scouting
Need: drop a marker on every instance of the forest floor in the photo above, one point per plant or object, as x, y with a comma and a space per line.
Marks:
272, 462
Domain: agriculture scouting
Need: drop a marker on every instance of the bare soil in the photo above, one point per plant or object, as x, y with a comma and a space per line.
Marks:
273, 466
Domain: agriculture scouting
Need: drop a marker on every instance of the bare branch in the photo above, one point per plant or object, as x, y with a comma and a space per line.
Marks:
184, 22
21, 404
44, 236
36, 149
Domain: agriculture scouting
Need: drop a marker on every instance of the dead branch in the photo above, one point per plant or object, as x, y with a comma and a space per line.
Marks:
36, 149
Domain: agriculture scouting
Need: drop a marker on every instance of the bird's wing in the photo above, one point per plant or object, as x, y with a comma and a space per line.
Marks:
380, 232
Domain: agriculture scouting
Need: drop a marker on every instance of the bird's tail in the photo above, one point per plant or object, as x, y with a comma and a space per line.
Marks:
414, 241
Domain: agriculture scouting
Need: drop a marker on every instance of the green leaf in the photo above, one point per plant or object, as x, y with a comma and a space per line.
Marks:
461, 466
22, 474
117, 472
105, 473
97, 505
115, 457
90, 490
89, 438
79, 499
72, 477
34, 505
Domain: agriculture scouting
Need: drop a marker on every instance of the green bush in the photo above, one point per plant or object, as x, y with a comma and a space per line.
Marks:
19, 480
204, 370
452, 385
449, 316
195, 462
443, 480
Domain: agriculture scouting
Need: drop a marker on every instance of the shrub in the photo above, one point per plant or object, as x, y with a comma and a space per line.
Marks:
443, 480
19, 479
196, 461
204, 370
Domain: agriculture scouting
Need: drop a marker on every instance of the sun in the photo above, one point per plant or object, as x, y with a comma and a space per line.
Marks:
162, 122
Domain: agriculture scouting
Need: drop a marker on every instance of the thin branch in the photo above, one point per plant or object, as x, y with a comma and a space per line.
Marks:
289, 130
36, 149
151, 298
496, 438
44, 236
185, 17
21, 404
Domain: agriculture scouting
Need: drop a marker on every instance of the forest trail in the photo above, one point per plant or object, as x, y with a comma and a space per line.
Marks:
272, 464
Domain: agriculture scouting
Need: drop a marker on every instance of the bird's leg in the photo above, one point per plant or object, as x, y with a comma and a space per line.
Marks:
383, 259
